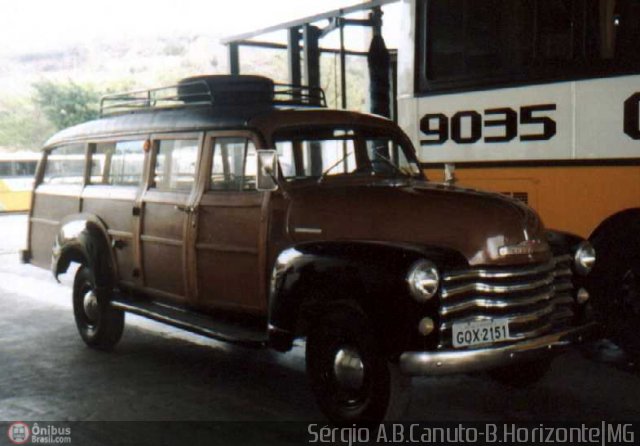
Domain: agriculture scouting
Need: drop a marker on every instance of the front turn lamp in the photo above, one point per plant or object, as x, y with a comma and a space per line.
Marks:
584, 258
423, 280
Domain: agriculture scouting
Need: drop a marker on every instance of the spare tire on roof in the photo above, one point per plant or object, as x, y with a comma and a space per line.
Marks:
226, 89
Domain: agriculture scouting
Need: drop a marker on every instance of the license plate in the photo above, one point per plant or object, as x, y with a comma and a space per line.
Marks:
480, 332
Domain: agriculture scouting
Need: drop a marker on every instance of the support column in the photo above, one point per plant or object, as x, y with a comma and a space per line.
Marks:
311, 35
234, 59
293, 55
379, 67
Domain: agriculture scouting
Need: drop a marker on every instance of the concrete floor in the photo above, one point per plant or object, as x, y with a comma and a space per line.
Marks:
158, 373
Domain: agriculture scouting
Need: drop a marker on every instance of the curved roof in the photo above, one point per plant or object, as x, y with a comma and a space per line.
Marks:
156, 121
264, 118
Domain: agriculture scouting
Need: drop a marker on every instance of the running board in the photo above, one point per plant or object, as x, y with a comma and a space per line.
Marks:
193, 322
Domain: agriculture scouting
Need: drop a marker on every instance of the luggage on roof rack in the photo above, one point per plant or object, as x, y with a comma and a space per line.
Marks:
214, 91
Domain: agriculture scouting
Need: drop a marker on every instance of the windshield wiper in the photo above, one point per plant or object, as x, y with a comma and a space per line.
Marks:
333, 166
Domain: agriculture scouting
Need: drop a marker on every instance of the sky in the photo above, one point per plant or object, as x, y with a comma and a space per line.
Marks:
37, 25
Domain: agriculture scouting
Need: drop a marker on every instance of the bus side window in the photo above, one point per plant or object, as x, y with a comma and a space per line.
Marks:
5, 168
175, 168
65, 165
234, 165
117, 163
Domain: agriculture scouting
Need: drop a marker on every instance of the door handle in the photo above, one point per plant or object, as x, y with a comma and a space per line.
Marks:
185, 209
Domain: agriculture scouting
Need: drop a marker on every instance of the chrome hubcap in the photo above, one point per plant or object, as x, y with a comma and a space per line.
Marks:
90, 303
348, 369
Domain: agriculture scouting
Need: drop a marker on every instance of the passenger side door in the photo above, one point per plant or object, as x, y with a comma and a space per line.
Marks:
229, 234
166, 216
114, 186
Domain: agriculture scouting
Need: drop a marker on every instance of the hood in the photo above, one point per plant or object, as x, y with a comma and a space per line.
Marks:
485, 228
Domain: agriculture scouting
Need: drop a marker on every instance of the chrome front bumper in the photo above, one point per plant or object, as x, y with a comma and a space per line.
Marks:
464, 361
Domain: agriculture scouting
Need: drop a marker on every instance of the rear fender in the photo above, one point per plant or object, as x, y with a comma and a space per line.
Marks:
83, 238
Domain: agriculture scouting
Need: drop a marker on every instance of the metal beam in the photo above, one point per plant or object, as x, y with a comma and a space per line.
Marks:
306, 20
282, 46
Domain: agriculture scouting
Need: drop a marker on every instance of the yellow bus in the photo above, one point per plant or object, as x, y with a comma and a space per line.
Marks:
16, 180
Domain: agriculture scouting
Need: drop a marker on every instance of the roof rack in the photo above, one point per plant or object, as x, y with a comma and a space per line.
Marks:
213, 91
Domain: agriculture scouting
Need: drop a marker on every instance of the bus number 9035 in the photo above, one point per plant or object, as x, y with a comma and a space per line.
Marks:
439, 128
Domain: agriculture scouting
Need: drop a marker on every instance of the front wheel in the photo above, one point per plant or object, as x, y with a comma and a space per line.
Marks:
351, 379
99, 324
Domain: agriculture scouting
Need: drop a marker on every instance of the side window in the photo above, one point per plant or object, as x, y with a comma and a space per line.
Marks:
234, 164
65, 165
5, 169
25, 168
175, 168
318, 156
286, 158
464, 43
117, 164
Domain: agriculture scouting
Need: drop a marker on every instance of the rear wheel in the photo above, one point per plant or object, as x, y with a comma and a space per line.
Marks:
99, 324
352, 380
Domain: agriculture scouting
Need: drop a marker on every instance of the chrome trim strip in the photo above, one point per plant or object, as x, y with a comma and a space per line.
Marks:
301, 230
566, 272
498, 289
498, 274
226, 248
511, 318
488, 302
534, 333
445, 362
161, 240
120, 234
44, 221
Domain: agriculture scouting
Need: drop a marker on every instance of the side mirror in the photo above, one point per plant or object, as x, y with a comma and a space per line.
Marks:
267, 170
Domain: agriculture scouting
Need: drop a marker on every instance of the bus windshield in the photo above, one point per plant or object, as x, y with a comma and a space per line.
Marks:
318, 154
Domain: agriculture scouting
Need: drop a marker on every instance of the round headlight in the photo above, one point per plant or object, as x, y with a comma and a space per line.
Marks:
423, 280
584, 258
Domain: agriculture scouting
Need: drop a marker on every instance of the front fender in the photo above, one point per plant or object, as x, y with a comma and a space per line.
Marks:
309, 276
84, 239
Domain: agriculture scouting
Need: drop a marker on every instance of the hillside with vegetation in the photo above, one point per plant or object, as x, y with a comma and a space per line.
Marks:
43, 92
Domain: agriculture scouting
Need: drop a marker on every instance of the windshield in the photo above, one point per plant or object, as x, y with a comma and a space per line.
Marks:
322, 153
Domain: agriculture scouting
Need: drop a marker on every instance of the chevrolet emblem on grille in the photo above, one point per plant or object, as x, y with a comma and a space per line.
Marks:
526, 247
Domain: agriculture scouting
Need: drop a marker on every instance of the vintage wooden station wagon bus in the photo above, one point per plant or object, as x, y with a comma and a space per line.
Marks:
245, 211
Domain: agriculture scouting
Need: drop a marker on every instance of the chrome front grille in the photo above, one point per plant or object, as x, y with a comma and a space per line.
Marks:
535, 299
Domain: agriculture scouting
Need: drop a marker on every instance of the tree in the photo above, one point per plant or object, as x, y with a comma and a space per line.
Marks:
66, 104
22, 125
